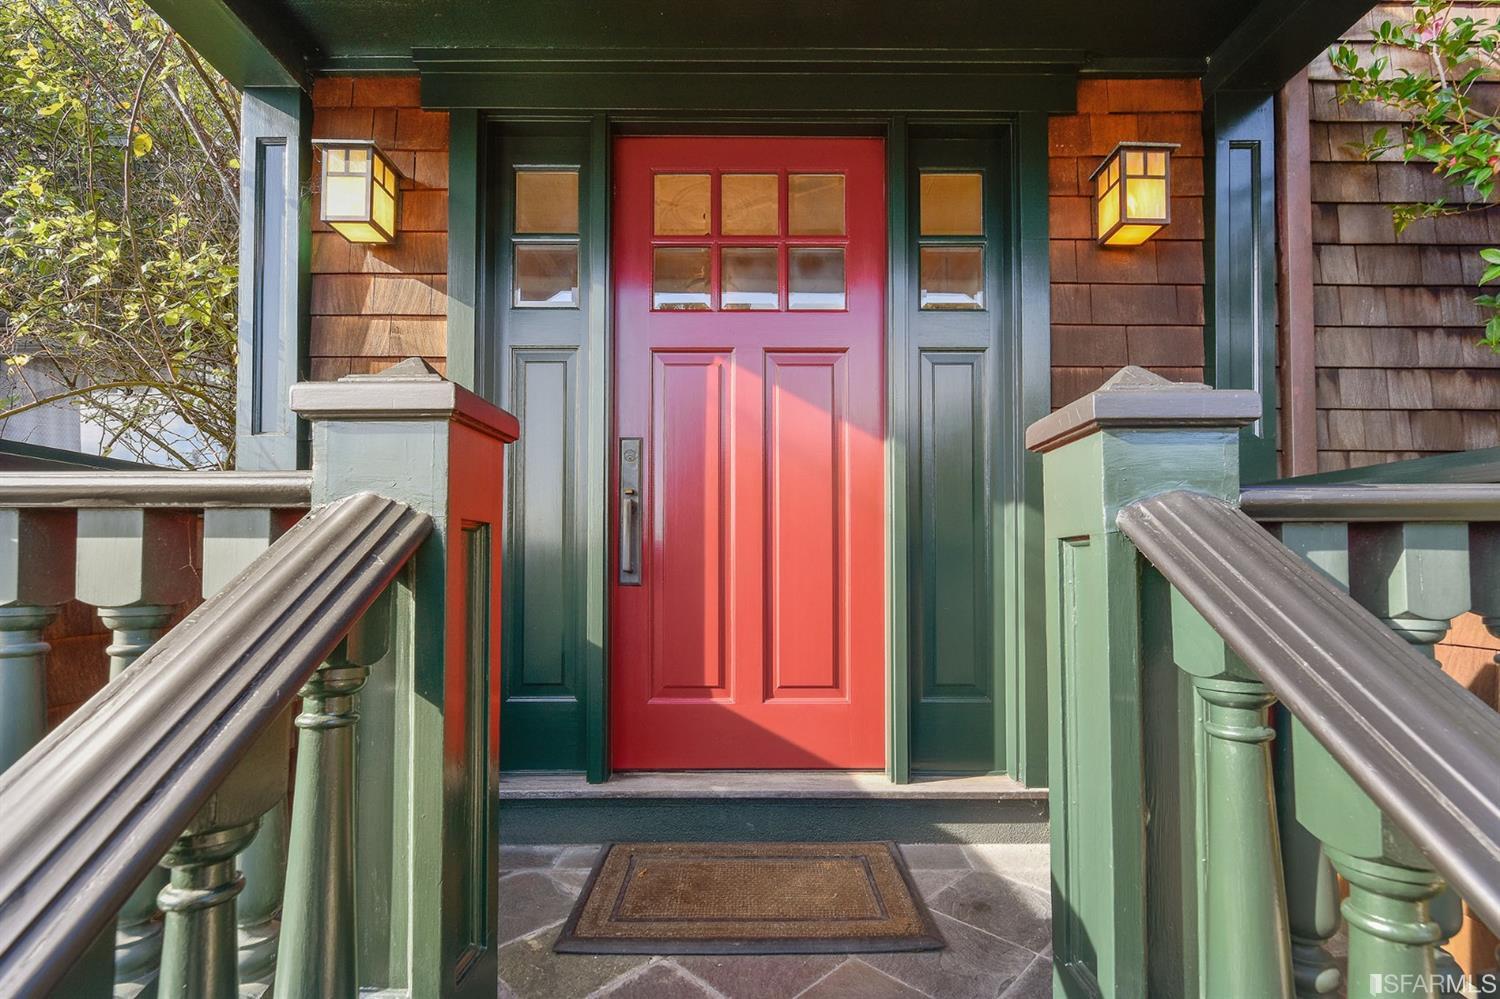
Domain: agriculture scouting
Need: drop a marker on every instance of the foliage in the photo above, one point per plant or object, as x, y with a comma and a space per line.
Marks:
118, 227
1437, 70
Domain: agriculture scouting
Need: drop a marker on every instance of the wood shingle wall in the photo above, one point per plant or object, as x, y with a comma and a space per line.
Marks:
372, 306
1141, 305
1399, 375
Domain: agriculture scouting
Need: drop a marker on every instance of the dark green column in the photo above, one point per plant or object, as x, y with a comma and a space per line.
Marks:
199, 953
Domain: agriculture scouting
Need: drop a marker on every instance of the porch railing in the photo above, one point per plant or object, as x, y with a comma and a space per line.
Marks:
1241, 709
181, 763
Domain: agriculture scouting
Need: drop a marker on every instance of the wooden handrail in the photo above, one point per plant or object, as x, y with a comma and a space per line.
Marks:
1424, 749
1455, 502
95, 805
155, 489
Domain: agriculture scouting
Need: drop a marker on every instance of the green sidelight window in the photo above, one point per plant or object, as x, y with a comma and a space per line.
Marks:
950, 256
545, 244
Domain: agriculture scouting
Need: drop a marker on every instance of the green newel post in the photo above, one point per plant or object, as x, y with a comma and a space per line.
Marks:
1311, 885
425, 750
1127, 917
135, 566
1244, 932
36, 574
232, 539
317, 952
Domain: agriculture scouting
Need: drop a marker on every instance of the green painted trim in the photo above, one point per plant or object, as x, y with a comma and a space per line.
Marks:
898, 610
466, 225
1478, 466
1275, 42
1030, 399
274, 118
249, 44
743, 89
597, 433
1240, 286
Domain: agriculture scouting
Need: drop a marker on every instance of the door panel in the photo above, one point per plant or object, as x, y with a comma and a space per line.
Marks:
749, 332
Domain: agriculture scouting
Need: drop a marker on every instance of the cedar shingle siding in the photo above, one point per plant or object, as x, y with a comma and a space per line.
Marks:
372, 306
1142, 305
1398, 373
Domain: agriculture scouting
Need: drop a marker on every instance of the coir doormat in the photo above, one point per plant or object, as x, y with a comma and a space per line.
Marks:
748, 898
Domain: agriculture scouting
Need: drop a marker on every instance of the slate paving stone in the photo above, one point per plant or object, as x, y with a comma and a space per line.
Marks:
999, 906
935, 856
530, 900
856, 980
1028, 863
578, 857
1035, 982
658, 981
517, 858
570, 881
771, 976
531, 971
929, 883
974, 965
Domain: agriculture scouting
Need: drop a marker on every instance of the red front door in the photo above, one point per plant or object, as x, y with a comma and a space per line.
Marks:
749, 583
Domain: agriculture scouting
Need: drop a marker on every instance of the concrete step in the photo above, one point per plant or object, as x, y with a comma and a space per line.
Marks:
545, 808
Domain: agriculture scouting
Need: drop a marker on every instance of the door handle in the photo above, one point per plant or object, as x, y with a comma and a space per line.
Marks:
630, 511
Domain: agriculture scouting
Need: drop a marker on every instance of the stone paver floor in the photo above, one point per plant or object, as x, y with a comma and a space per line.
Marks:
990, 902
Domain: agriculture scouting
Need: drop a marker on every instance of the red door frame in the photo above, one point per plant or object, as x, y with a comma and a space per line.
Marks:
743, 696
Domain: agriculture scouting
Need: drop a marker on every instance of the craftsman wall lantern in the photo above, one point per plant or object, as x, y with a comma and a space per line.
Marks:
361, 190
1132, 193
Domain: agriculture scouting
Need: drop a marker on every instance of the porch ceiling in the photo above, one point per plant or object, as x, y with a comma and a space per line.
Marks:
1223, 40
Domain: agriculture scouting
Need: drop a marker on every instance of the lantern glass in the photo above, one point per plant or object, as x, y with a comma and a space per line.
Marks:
361, 191
1132, 193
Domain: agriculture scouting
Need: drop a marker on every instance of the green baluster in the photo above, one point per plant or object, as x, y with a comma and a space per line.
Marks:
1245, 935
36, 573
1415, 578
1311, 886
232, 539
135, 566
200, 948
199, 952
315, 958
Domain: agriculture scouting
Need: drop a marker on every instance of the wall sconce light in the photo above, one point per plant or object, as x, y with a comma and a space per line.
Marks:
361, 190
1132, 193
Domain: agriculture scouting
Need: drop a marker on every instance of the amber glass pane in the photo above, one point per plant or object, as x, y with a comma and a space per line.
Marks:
749, 206
681, 204
547, 201
952, 204
952, 277
815, 204
1145, 198
680, 278
749, 278
546, 275
815, 278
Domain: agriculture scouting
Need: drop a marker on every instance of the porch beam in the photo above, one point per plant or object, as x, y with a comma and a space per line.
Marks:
1277, 40
252, 43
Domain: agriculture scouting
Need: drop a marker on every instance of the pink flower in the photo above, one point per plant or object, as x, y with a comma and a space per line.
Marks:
1429, 31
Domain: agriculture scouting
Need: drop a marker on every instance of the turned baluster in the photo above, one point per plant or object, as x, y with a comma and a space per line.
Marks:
36, 574
315, 958
134, 567
1415, 578
232, 539
1311, 885
1245, 934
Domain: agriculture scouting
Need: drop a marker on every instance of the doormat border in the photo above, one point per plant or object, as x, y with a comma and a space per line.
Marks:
568, 942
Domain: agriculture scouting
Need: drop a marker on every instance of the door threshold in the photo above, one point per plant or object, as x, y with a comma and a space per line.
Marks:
763, 784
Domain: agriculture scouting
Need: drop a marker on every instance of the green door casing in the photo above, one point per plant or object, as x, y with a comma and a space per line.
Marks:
966, 660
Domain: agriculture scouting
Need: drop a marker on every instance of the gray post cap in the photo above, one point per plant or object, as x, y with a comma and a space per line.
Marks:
1136, 398
410, 390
